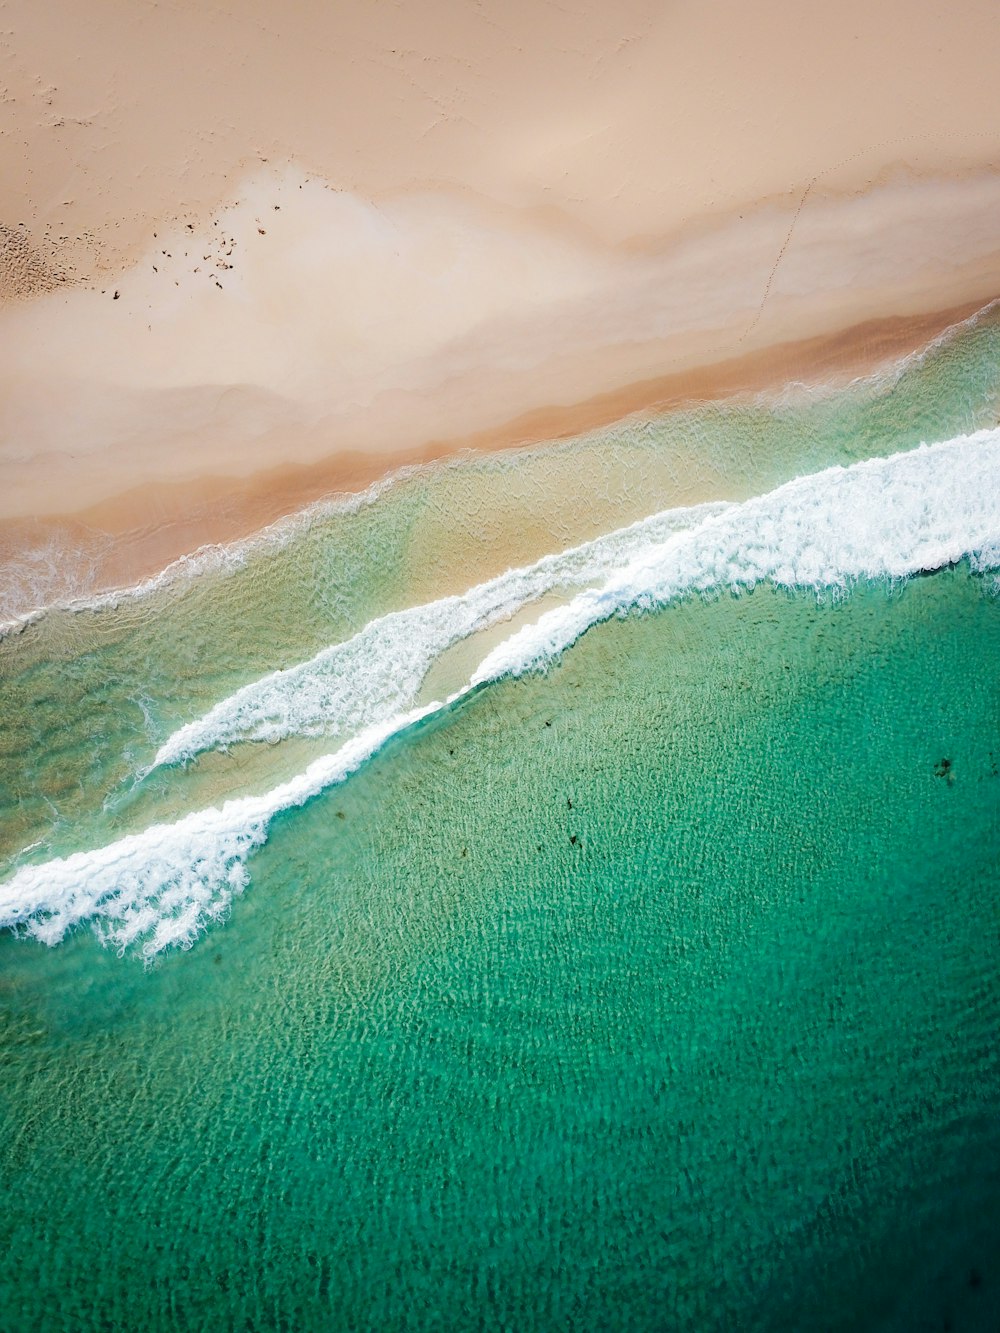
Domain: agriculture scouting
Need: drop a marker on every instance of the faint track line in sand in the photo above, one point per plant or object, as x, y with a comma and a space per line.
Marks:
827, 171
775, 266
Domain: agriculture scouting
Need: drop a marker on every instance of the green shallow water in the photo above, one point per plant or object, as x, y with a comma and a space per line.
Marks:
658, 992
85, 698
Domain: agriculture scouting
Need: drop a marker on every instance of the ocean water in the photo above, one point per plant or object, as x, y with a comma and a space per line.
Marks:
610, 943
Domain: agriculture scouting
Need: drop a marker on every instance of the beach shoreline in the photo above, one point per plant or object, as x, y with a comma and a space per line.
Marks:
249, 261
134, 538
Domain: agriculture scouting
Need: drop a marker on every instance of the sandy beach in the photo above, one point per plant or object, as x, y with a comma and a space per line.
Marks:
251, 259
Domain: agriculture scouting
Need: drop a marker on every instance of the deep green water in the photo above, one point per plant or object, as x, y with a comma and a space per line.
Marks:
728, 1060
660, 991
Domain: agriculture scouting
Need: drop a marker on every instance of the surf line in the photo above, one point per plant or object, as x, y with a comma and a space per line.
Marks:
378, 671
882, 518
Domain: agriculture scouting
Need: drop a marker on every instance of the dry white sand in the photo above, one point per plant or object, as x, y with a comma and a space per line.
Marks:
331, 237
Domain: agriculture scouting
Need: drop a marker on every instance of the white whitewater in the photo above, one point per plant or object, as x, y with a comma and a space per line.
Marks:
884, 518
379, 671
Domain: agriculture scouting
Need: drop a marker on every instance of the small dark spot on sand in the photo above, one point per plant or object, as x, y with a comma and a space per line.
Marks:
115, 297
341, 815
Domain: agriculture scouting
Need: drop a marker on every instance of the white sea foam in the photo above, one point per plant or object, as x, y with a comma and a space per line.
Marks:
883, 518
165, 884
379, 671
21, 580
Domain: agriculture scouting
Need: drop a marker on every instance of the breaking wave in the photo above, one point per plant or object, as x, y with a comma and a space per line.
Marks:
379, 671
884, 518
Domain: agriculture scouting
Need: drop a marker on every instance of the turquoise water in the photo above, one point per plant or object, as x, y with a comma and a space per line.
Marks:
658, 989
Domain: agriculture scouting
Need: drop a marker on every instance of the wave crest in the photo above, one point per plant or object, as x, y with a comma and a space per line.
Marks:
893, 517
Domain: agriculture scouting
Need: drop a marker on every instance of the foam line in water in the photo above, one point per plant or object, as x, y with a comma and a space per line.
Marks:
885, 517
379, 671
165, 884
221, 558
888, 517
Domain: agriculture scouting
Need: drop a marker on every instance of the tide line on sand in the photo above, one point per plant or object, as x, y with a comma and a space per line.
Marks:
884, 518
